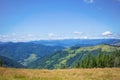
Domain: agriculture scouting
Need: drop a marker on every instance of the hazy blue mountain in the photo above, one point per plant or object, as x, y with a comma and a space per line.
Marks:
76, 42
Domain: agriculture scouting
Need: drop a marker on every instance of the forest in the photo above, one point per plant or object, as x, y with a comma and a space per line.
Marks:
102, 60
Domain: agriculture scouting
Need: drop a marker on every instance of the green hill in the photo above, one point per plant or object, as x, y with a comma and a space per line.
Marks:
68, 57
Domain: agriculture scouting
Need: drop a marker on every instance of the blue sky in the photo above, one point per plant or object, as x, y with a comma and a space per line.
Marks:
24, 20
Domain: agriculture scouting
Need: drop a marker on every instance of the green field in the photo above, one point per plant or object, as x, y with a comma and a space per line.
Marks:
60, 74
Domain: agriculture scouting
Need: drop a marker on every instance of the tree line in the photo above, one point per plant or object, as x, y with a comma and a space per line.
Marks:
102, 60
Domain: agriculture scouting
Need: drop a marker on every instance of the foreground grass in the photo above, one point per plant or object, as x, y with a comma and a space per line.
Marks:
61, 74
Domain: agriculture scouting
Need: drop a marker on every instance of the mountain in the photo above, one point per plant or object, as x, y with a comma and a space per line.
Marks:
68, 57
116, 44
7, 62
76, 42
26, 52
52, 53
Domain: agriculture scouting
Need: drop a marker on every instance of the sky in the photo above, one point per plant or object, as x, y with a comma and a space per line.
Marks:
26, 20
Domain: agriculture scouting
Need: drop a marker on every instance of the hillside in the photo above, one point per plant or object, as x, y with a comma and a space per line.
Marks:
26, 52
68, 57
116, 44
60, 74
7, 62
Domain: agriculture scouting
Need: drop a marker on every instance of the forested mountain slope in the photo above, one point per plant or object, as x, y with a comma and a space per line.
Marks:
26, 52
68, 57
7, 62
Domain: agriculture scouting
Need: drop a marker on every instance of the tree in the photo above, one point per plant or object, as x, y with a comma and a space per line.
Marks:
63, 66
99, 60
102, 60
1, 64
77, 64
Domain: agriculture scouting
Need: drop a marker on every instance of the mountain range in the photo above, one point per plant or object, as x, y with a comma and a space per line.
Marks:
76, 42
52, 54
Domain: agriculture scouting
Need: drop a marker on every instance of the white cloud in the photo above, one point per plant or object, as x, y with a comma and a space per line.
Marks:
107, 33
30, 35
85, 37
18, 37
78, 33
52, 35
13, 34
3, 36
89, 1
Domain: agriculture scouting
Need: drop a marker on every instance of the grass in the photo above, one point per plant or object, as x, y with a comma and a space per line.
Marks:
60, 74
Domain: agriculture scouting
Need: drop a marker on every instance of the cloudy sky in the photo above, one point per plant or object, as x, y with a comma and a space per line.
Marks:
24, 20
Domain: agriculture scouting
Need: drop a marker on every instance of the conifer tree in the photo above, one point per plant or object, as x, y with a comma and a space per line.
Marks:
1, 64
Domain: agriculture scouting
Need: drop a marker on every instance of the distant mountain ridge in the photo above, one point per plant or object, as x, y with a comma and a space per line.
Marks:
76, 42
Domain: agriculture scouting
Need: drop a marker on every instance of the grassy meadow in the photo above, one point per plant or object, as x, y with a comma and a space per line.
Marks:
60, 74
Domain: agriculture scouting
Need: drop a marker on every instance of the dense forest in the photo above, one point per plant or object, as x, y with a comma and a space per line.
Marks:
102, 60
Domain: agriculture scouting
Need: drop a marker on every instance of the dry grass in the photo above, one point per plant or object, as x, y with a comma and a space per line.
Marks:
62, 74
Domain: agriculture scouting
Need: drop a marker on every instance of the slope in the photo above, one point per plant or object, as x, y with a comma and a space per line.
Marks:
68, 57
7, 62
26, 52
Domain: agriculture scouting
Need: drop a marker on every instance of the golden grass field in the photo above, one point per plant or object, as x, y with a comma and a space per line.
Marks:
60, 74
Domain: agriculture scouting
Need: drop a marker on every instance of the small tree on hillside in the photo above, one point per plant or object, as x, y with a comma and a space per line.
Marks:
1, 64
